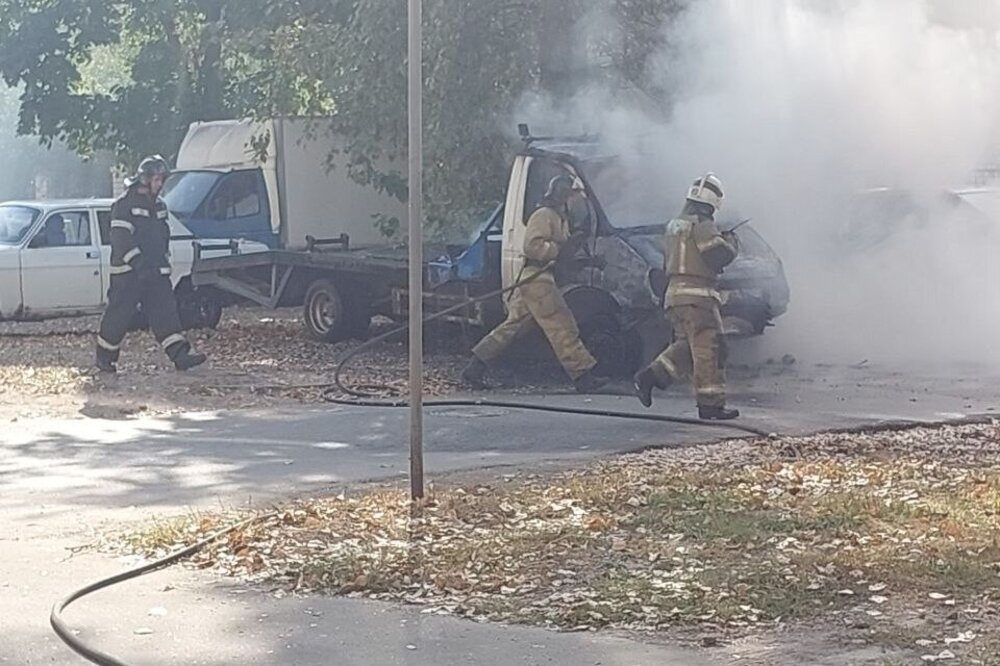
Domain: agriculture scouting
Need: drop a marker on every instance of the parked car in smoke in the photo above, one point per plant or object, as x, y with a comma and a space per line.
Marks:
877, 216
55, 259
754, 287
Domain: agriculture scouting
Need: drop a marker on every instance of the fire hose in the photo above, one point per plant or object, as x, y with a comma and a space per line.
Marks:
364, 395
360, 396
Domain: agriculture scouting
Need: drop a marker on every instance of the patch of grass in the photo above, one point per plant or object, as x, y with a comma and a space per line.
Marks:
649, 541
166, 534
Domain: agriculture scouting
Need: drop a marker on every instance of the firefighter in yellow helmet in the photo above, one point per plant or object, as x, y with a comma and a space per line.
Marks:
696, 253
538, 300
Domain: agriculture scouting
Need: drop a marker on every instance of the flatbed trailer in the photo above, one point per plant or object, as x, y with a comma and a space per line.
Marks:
339, 288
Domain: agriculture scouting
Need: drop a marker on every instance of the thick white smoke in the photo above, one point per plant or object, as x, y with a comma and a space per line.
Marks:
801, 104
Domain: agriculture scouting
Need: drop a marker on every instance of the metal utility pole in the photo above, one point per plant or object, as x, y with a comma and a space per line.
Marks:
416, 239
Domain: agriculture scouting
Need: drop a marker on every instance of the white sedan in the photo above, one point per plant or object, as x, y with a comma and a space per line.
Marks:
55, 259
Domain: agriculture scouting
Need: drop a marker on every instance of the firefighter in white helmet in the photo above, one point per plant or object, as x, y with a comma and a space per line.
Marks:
696, 253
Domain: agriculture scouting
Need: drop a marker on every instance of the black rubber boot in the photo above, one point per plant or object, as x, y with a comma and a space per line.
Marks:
645, 381
474, 374
106, 365
590, 382
717, 413
186, 360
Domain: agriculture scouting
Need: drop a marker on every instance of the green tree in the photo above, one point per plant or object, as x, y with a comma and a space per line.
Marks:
129, 76
481, 57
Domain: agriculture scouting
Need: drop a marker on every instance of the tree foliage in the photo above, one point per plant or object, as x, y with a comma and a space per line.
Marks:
129, 76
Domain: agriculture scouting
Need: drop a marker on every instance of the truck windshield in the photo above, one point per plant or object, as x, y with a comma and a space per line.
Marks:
628, 199
15, 222
184, 191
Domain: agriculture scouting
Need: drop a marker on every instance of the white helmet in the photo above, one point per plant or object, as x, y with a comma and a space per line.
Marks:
707, 190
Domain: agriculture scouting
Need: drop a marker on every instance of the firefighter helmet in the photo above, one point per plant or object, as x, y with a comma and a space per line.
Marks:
707, 190
562, 186
149, 167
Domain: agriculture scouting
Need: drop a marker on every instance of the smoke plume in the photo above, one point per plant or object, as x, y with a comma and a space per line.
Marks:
801, 106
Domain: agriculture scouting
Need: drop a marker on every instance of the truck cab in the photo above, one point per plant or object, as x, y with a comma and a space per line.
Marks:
227, 203
619, 308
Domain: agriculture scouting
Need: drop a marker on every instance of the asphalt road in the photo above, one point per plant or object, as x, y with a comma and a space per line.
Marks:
66, 480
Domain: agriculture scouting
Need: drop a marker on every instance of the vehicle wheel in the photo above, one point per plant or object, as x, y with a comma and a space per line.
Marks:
325, 313
617, 351
198, 308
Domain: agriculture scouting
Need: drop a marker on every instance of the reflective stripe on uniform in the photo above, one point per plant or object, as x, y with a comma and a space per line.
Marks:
681, 230
104, 344
164, 270
668, 366
131, 254
702, 292
172, 340
713, 390
141, 212
714, 242
161, 214
123, 224
119, 270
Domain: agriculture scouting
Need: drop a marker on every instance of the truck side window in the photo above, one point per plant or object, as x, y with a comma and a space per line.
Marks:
64, 229
236, 196
582, 216
104, 225
539, 174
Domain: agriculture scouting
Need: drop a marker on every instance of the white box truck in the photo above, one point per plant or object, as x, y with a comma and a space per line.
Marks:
277, 181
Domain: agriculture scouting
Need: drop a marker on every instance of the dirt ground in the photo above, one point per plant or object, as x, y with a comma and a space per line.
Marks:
257, 358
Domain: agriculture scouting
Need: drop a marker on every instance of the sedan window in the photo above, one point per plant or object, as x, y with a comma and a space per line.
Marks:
15, 222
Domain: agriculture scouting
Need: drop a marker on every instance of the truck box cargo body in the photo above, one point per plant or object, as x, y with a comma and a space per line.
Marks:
273, 181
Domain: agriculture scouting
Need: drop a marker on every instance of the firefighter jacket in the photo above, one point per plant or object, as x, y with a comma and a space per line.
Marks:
696, 253
546, 233
140, 235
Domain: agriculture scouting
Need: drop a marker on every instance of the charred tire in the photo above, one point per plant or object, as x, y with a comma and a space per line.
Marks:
198, 308
617, 351
333, 314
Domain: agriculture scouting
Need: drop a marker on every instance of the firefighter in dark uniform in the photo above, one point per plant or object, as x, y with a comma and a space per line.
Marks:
140, 271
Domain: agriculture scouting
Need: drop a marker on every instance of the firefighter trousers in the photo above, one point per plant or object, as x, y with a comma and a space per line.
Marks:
698, 352
156, 295
540, 303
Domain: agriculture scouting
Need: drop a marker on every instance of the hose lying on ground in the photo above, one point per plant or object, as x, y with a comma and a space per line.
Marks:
101, 658
367, 399
362, 396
